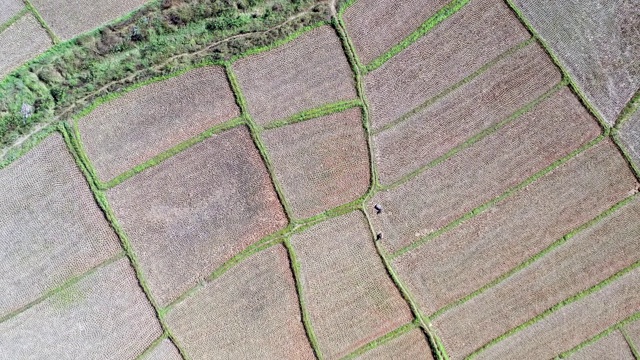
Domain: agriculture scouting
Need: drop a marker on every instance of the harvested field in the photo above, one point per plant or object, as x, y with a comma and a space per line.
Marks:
192, 212
128, 131
480, 250
475, 175
597, 42
630, 136
50, 225
633, 331
456, 48
410, 346
321, 163
250, 312
611, 347
164, 351
105, 316
573, 323
377, 25
9, 9
308, 72
23, 40
71, 18
349, 295
586, 259
485, 101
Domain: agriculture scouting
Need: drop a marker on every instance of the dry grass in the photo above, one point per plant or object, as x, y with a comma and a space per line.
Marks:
321, 163
550, 131
50, 225
103, 316
585, 260
21, 41
9, 9
192, 212
573, 323
480, 250
164, 351
410, 346
630, 135
485, 101
250, 312
598, 43
69, 18
376, 25
305, 73
477, 33
612, 347
350, 298
131, 129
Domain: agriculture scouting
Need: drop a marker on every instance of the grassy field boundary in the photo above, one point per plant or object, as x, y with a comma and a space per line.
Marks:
12, 20
634, 349
324, 110
52, 35
441, 15
154, 344
343, 6
615, 137
33, 141
629, 110
393, 334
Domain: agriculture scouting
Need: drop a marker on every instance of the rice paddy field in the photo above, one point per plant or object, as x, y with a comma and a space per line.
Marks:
313, 179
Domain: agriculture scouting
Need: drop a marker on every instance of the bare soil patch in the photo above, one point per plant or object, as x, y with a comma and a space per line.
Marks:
104, 315
552, 130
250, 312
131, 129
321, 163
349, 295
611, 347
412, 345
305, 73
9, 9
478, 251
456, 48
50, 225
192, 212
164, 351
21, 41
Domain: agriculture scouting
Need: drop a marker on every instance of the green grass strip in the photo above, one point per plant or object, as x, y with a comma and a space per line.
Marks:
69, 282
440, 16
54, 38
456, 86
394, 334
324, 110
634, 349
306, 317
154, 344
16, 152
4, 26
629, 110
557, 307
615, 137
343, 6
536, 257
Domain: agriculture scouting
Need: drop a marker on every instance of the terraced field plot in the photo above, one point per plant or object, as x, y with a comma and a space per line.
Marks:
21, 41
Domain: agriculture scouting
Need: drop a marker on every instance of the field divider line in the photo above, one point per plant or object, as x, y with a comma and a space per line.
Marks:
67, 283
615, 137
52, 35
629, 110
580, 295
5, 25
627, 338
433, 100
393, 334
324, 110
306, 316
154, 344
103, 203
498, 198
436, 345
540, 255
441, 15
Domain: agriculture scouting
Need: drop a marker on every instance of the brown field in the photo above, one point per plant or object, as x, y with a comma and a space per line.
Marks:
322, 75
376, 25
410, 346
611, 347
164, 351
9, 9
71, 18
50, 225
630, 135
128, 131
105, 315
23, 40
633, 331
250, 312
585, 260
497, 240
485, 101
479, 32
192, 212
572, 324
597, 41
348, 293
321, 163
483, 171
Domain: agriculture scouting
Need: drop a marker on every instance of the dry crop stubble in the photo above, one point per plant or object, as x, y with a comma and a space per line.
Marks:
104, 315
481, 249
410, 346
131, 129
22, 41
188, 215
611, 347
374, 26
456, 48
305, 73
50, 225
249, 312
630, 136
485, 101
548, 132
9, 9
320, 163
164, 351
583, 261
349, 296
